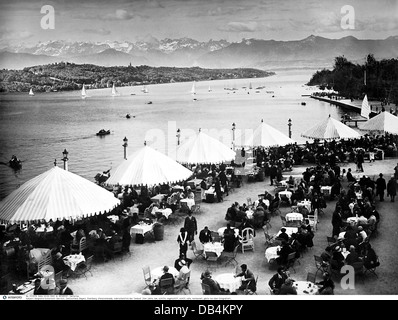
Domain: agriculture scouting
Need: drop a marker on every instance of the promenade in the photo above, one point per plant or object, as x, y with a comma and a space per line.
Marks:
125, 277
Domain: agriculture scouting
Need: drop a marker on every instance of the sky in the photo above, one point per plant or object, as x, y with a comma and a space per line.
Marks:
21, 21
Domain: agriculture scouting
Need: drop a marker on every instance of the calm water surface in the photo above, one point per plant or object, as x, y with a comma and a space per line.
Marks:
37, 129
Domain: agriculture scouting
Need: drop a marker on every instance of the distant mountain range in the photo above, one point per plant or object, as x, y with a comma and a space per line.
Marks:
311, 52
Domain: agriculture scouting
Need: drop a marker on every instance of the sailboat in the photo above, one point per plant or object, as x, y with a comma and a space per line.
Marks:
31, 92
114, 91
250, 86
144, 89
365, 109
84, 94
193, 90
210, 89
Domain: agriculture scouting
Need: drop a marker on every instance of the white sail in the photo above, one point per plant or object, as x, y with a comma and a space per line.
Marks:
250, 86
365, 109
31, 92
84, 95
193, 90
209, 89
114, 91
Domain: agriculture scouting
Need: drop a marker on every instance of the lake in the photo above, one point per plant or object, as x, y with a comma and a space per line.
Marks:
38, 128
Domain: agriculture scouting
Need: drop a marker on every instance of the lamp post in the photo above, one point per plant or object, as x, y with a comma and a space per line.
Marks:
178, 136
65, 159
233, 136
289, 123
125, 140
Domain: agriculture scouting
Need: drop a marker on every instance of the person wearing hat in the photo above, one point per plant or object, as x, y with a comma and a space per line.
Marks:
215, 288
184, 270
178, 262
63, 288
380, 187
392, 188
167, 275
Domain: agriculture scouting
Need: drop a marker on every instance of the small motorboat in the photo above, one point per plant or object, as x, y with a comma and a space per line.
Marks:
15, 163
103, 132
128, 116
303, 103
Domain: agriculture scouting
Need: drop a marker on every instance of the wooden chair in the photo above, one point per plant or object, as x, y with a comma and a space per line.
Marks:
206, 289
311, 277
372, 270
320, 265
231, 256
248, 291
147, 276
81, 247
196, 251
166, 286
211, 257
45, 260
313, 221
183, 284
85, 267
247, 239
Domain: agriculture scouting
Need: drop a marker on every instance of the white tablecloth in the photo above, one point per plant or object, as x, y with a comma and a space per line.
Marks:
158, 272
141, 228
306, 204
286, 193
326, 190
166, 212
158, 198
352, 220
227, 281
44, 229
216, 247
221, 231
73, 260
294, 216
271, 254
305, 287
189, 202
289, 231
113, 218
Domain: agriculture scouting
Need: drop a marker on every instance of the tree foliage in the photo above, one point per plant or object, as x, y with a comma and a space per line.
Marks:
348, 79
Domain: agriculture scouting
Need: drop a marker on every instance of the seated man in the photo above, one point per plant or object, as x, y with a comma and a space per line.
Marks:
326, 285
283, 235
167, 275
283, 253
248, 280
277, 280
205, 235
214, 285
352, 256
287, 288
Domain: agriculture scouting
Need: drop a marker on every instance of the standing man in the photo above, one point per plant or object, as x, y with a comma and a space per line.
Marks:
205, 235
203, 188
380, 186
191, 226
392, 188
272, 173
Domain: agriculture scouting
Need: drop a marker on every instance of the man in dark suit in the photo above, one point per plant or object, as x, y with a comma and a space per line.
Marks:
63, 288
205, 235
277, 280
191, 226
380, 186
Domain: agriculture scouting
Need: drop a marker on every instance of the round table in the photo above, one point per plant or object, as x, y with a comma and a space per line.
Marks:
189, 202
305, 287
227, 281
271, 253
286, 193
294, 216
216, 247
73, 260
306, 204
158, 272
